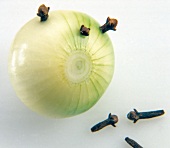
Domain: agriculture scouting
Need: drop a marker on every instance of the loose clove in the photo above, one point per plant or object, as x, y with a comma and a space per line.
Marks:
132, 143
84, 30
109, 25
135, 115
112, 120
43, 12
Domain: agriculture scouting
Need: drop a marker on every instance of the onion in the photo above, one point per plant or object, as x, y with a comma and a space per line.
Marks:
55, 70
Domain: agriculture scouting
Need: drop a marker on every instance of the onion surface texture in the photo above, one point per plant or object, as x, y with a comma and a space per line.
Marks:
55, 70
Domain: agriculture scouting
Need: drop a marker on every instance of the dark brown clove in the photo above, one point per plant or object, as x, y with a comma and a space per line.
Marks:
84, 30
112, 120
135, 115
132, 143
109, 25
43, 12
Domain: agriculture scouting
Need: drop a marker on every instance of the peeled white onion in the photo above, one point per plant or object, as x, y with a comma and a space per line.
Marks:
57, 72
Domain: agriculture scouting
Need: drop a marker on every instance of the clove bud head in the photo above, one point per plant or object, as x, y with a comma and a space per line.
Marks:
110, 24
43, 12
84, 30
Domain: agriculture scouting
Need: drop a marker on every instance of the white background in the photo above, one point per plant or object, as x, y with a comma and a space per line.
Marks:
141, 79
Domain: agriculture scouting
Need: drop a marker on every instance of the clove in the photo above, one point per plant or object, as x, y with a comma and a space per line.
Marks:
84, 30
111, 120
109, 25
43, 12
135, 115
132, 143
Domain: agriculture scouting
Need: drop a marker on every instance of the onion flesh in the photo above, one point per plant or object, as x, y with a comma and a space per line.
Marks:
57, 72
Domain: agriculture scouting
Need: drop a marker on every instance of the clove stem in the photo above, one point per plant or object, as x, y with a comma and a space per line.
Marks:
132, 143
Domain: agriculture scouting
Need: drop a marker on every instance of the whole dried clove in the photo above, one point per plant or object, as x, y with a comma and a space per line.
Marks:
135, 115
43, 12
84, 30
112, 120
109, 25
132, 143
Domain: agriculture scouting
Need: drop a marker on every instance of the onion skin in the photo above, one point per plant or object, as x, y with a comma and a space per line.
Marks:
56, 71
